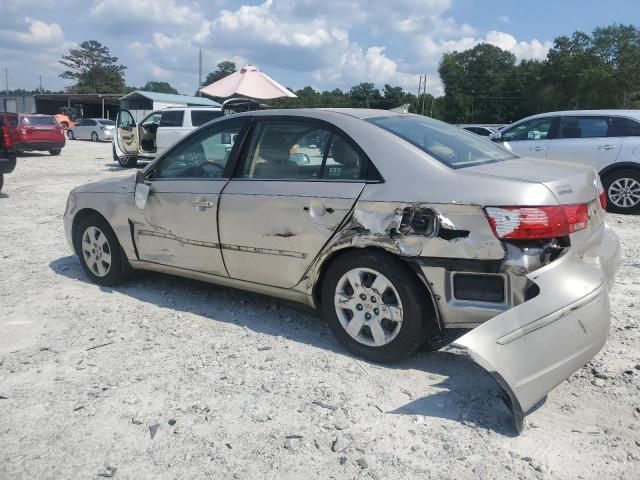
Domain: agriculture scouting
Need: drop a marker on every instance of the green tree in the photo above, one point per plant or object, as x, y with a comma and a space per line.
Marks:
93, 69
222, 70
159, 87
364, 94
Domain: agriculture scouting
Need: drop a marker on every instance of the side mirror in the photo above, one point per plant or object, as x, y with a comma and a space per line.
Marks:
496, 137
141, 192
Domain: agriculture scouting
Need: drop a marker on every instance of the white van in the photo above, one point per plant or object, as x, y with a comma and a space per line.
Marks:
156, 132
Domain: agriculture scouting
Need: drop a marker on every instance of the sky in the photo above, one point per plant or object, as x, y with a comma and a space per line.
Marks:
323, 43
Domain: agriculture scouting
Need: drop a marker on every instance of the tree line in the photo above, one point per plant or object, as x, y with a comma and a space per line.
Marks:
483, 84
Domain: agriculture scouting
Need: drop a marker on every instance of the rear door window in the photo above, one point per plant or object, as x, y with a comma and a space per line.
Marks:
583, 127
200, 117
624, 127
172, 118
39, 120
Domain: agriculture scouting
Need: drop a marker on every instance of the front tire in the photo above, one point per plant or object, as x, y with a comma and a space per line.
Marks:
99, 251
376, 306
70, 135
1, 181
125, 162
94, 137
55, 151
623, 191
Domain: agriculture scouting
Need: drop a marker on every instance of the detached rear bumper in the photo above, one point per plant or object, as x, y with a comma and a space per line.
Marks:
533, 347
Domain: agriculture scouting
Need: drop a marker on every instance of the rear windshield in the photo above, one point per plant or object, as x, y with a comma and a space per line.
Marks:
106, 122
200, 117
450, 145
39, 120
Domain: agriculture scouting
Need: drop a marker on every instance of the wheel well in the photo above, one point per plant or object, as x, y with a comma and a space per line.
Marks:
317, 287
618, 166
81, 215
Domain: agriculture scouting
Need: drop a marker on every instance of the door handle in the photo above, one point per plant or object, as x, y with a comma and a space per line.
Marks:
537, 149
202, 203
605, 147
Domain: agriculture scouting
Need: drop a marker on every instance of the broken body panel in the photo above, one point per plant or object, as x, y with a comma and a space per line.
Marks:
539, 310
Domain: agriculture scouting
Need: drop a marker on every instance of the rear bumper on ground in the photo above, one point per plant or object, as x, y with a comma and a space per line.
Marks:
28, 146
533, 347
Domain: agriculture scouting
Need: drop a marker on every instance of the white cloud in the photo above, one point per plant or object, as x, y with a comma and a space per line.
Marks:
522, 50
504, 19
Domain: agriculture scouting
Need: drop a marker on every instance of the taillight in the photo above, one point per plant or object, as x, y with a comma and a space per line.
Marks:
531, 223
6, 138
603, 200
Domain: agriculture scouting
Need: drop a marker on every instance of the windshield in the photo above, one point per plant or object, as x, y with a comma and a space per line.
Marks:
106, 122
452, 146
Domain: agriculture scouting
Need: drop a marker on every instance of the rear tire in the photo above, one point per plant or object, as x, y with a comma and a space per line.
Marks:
403, 308
622, 188
99, 251
55, 151
70, 135
94, 137
125, 162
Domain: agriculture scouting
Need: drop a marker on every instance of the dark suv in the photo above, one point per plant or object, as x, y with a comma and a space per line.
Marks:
8, 124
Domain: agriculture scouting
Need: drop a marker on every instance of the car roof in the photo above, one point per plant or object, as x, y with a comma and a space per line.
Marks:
569, 113
322, 113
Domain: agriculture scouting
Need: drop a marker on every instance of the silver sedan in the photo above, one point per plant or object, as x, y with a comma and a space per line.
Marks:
395, 226
94, 129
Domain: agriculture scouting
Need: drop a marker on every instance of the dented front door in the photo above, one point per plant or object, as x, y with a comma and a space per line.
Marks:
179, 227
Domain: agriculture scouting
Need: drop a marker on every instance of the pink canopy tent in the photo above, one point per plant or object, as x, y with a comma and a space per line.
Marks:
250, 82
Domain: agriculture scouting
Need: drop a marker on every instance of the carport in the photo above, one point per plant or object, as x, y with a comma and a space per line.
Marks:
92, 105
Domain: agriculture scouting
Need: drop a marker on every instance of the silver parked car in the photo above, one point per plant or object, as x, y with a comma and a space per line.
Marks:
607, 140
94, 129
397, 227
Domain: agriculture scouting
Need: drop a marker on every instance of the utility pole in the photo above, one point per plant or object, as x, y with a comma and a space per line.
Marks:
424, 97
419, 90
6, 80
40, 77
199, 71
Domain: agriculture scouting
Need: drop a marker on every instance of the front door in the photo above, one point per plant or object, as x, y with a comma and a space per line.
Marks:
126, 133
297, 183
529, 139
178, 226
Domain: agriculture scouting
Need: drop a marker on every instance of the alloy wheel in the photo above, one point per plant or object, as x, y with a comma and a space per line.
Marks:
624, 192
96, 251
368, 307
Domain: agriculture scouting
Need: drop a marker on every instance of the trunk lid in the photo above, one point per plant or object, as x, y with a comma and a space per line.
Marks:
40, 129
568, 182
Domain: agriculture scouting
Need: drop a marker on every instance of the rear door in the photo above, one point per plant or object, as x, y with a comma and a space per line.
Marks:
171, 129
529, 138
297, 181
126, 139
585, 139
178, 226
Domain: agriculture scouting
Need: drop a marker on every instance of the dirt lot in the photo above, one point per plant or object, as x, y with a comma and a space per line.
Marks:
167, 378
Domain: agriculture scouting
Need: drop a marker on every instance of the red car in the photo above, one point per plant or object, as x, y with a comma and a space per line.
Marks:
39, 132
8, 122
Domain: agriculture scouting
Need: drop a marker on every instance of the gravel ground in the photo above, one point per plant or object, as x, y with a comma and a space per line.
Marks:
167, 378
